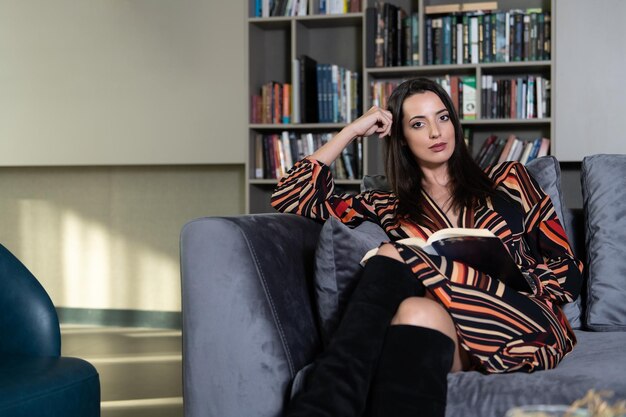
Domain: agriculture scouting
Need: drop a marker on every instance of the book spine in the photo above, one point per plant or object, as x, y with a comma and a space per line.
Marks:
469, 97
540, 24
335, 92
319, 71
533, 37
481, 38
474, 40
295, 91
429, 41
547, 37
370, 42
526, 40
286, 119
446, 57
379, 56
487, 38
258, 156
437, 26
415, 30
286, 148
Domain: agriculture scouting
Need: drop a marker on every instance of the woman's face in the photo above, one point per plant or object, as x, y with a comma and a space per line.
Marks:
428, 130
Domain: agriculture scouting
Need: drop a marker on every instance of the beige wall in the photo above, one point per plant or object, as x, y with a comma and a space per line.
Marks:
122, 82
105, 238
119, 122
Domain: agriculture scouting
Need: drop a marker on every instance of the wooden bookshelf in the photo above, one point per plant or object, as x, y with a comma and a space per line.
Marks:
274, 42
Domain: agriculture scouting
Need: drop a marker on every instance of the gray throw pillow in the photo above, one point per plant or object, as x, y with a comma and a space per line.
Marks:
339, 251
547, 172
603, 180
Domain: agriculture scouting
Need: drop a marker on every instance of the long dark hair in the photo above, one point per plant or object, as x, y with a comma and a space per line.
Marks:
469, 184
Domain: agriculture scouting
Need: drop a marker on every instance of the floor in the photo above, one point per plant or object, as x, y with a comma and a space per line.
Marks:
140, 369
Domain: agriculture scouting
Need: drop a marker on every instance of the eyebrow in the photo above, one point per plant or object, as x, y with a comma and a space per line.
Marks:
423, 117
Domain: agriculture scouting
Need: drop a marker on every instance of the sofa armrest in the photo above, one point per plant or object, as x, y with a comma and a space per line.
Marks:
248, 325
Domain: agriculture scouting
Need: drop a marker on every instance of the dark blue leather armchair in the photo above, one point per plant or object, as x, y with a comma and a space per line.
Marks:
35, 380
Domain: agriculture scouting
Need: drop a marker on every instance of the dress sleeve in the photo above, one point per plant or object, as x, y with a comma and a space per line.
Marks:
552, 265
308, 190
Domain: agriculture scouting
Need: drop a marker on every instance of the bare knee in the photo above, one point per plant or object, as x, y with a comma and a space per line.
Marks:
423, 312
390, 251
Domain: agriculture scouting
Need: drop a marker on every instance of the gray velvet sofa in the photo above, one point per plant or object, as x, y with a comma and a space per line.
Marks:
251, 300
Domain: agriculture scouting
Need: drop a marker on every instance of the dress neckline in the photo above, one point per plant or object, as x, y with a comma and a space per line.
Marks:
440, 218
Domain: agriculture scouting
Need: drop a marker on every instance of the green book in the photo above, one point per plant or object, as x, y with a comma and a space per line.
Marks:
469, 97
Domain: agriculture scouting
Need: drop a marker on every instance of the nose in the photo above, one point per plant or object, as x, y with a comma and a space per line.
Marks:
434, 132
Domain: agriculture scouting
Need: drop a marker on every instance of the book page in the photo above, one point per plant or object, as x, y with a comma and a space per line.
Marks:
457, 232
409, 241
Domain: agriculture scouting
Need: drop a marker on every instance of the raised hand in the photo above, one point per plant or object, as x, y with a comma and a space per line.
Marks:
375, 120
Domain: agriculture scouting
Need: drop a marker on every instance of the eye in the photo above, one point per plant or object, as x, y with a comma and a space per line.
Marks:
417, 125
444, 117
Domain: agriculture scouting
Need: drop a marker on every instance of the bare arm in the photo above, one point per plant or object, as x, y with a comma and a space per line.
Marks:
375, 120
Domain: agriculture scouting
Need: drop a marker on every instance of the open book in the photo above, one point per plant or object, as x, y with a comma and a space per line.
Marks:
478, 248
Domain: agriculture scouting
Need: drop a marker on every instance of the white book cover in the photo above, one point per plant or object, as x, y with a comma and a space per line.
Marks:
265, 8
474, 39
518, 148
459, 43
526, 153
302, 7
284, 136
512, 150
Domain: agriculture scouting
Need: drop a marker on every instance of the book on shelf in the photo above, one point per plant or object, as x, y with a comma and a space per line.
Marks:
477, 248
276, 153
308, 90
380, 90
485, 34
259, 164
496, 150
272, 105
522, 97
371, 36
335, 6
272, 8
338, 94
460, 7
392, 36
469, 97
295, 91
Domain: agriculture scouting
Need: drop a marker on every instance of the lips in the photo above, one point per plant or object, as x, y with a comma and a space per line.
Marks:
438, 147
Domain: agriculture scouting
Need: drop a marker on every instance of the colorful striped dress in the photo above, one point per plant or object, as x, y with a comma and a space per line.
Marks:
501, 329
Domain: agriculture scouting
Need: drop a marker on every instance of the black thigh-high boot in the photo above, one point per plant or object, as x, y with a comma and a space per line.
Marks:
411, 379
339, 382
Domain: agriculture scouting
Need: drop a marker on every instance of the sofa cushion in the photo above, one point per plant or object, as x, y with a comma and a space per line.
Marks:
597, 362
337, 267
603, 179
547, 173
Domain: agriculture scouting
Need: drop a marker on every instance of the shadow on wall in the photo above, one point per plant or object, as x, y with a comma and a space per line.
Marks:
107, 238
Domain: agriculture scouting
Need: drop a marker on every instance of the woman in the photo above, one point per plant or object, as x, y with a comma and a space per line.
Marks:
414, 317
